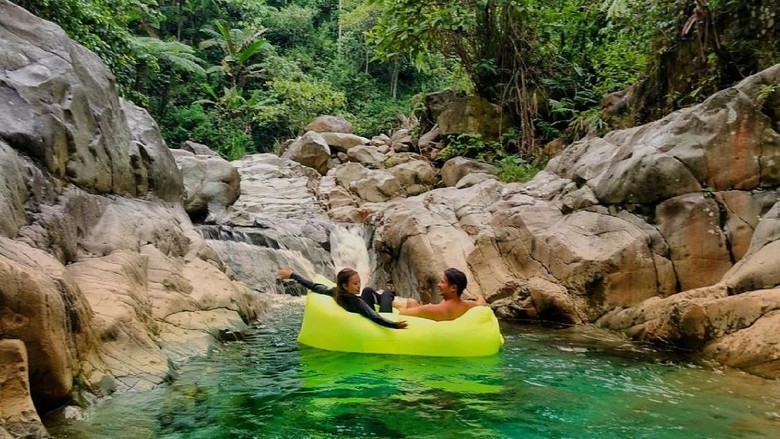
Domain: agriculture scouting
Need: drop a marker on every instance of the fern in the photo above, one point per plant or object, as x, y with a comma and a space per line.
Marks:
180, 56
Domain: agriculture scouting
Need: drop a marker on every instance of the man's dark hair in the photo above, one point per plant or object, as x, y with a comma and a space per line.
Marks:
457, 278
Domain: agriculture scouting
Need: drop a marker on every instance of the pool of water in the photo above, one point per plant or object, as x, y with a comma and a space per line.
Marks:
545, 383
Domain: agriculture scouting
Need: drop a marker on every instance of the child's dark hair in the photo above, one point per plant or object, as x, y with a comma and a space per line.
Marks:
342, 278
457, 278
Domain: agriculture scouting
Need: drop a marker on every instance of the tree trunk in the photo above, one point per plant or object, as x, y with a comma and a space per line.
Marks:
394, 79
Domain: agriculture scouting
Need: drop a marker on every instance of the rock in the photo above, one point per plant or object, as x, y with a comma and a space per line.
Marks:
753, 347
197, 148
458, 167
743, 212
474, 178
310, 150
368, 185
378, 186
380, 140
343, 142
155, 168
473, 115
117, 289
434, 104
212, 184
95, 247
59, 106
272, 187
415, 176
690, 224
401, 140
36, 288
367, 156
581, 198
13, 194
329, 124
334, 195
73, 413
429, 233
760, 270
403, 157
19, 418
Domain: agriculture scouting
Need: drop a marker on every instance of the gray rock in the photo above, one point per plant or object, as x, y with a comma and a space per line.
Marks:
197, 148
367, 156
342, 142
310, 150
458, 167
329, 124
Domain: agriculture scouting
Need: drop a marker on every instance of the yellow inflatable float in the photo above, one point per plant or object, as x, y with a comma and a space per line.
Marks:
328, 326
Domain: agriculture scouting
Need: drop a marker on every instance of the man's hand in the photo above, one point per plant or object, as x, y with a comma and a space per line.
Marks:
401, 324
284, 273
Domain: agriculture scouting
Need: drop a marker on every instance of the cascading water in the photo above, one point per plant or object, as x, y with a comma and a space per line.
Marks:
348, 250
255, 254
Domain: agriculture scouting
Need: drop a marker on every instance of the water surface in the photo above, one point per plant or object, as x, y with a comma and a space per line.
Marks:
545, 383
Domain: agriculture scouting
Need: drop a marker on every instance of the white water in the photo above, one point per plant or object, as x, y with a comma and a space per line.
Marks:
349, 250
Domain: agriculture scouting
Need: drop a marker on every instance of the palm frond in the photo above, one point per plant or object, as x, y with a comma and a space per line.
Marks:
179, 55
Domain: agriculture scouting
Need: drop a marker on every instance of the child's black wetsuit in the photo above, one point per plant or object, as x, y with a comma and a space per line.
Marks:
363, 305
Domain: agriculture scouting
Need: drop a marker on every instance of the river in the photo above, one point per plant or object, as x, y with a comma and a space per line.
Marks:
545, 383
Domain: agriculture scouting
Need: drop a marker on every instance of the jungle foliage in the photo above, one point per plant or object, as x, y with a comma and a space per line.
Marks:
244, 75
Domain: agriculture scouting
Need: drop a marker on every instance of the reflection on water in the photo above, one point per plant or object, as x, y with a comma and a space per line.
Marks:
544, 384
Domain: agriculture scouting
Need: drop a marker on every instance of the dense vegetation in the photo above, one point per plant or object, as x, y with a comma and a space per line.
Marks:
243, 75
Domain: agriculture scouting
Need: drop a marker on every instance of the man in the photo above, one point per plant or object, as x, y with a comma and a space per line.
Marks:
451, 286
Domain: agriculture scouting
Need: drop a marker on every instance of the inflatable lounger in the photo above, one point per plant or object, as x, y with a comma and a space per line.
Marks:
326, 325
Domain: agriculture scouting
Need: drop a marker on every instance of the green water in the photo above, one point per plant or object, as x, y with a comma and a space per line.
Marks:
574, 383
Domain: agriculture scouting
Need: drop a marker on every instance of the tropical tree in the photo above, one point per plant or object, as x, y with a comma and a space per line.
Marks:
493, 40
159, 65
238, 47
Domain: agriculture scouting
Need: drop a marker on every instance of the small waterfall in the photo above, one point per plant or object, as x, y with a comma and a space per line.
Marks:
254, 254
348, 249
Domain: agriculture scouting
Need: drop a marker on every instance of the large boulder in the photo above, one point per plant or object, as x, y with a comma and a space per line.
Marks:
154, 167
342, 142
458, 167
19, 418
417, 238
96, 251
45, 308
690, 225
310, 150
473, 114
415, 176
211, 183
367, 184
59, 106
667, 232
329, 124
760, 267
367, 156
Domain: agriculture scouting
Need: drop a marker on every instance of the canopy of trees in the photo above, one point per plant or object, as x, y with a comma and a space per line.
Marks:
244, 75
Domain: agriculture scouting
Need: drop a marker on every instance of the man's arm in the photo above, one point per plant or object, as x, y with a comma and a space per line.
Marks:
430, 311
